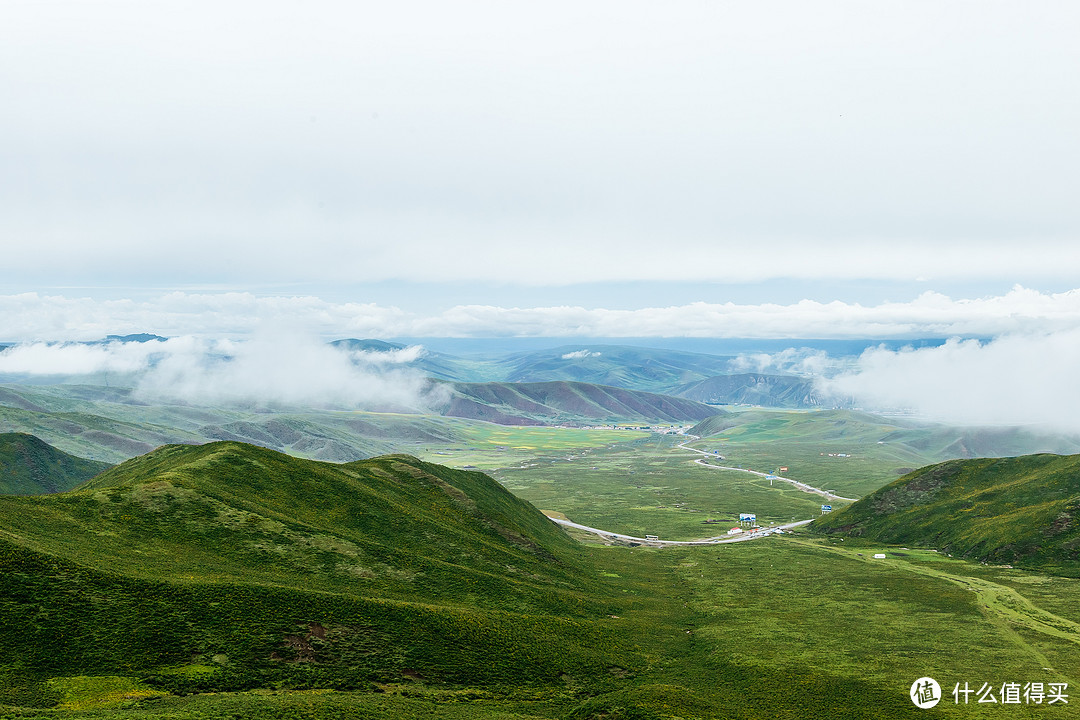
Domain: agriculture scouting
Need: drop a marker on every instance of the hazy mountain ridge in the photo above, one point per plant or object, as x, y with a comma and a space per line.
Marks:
538, 403
634, 368
784, 391
433, 364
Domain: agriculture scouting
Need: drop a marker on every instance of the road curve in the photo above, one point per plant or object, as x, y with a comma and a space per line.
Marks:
801, 485
720, 540
723, 539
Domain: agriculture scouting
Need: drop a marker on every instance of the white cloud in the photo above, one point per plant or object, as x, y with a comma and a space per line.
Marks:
402, 356
1016, 379
75, 359
32, 317
794, 361
269, 369
580, 354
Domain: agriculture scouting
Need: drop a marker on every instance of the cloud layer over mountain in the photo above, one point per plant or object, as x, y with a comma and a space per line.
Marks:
268, 369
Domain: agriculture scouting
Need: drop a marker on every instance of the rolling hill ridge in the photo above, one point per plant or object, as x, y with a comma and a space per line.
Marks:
30, 466
1022, 510
291, 573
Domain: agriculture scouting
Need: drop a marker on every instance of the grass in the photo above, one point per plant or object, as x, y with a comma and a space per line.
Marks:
191, 577
1023, 510
800, 603
29, 466
646, 484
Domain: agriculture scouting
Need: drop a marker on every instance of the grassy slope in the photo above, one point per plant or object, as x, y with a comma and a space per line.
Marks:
30, 466
1023, 510
364, 572
227, 512
785, 627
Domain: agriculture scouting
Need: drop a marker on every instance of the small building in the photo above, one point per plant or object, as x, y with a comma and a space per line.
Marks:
734, 531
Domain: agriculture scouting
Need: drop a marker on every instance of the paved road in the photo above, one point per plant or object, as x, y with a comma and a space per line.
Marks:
801, 485
763, 532
753, 535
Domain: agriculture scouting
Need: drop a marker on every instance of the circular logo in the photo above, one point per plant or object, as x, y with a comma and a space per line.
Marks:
925, 692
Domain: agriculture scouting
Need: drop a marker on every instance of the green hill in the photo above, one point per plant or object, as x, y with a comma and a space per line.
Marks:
228, 566
256, 514
1022, 510
557, 402
30, 466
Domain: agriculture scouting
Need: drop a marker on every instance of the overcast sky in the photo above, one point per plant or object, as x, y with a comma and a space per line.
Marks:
420, 156
827, 169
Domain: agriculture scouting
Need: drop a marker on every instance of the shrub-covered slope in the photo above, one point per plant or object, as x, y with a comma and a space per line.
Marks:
1022, 510
30, 466
295, 573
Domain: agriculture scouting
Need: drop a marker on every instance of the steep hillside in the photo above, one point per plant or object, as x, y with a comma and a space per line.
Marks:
30, 466
293, 573
391, 509
784, 391
558, 402
1022, 510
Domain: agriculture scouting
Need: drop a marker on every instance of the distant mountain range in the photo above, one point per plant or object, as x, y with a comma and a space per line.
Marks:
633, 368
695, 376
784, 391
538, 403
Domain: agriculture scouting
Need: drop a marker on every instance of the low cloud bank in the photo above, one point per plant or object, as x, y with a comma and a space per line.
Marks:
792, 361
30, 317
1016, 379
265, 370
580, 355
